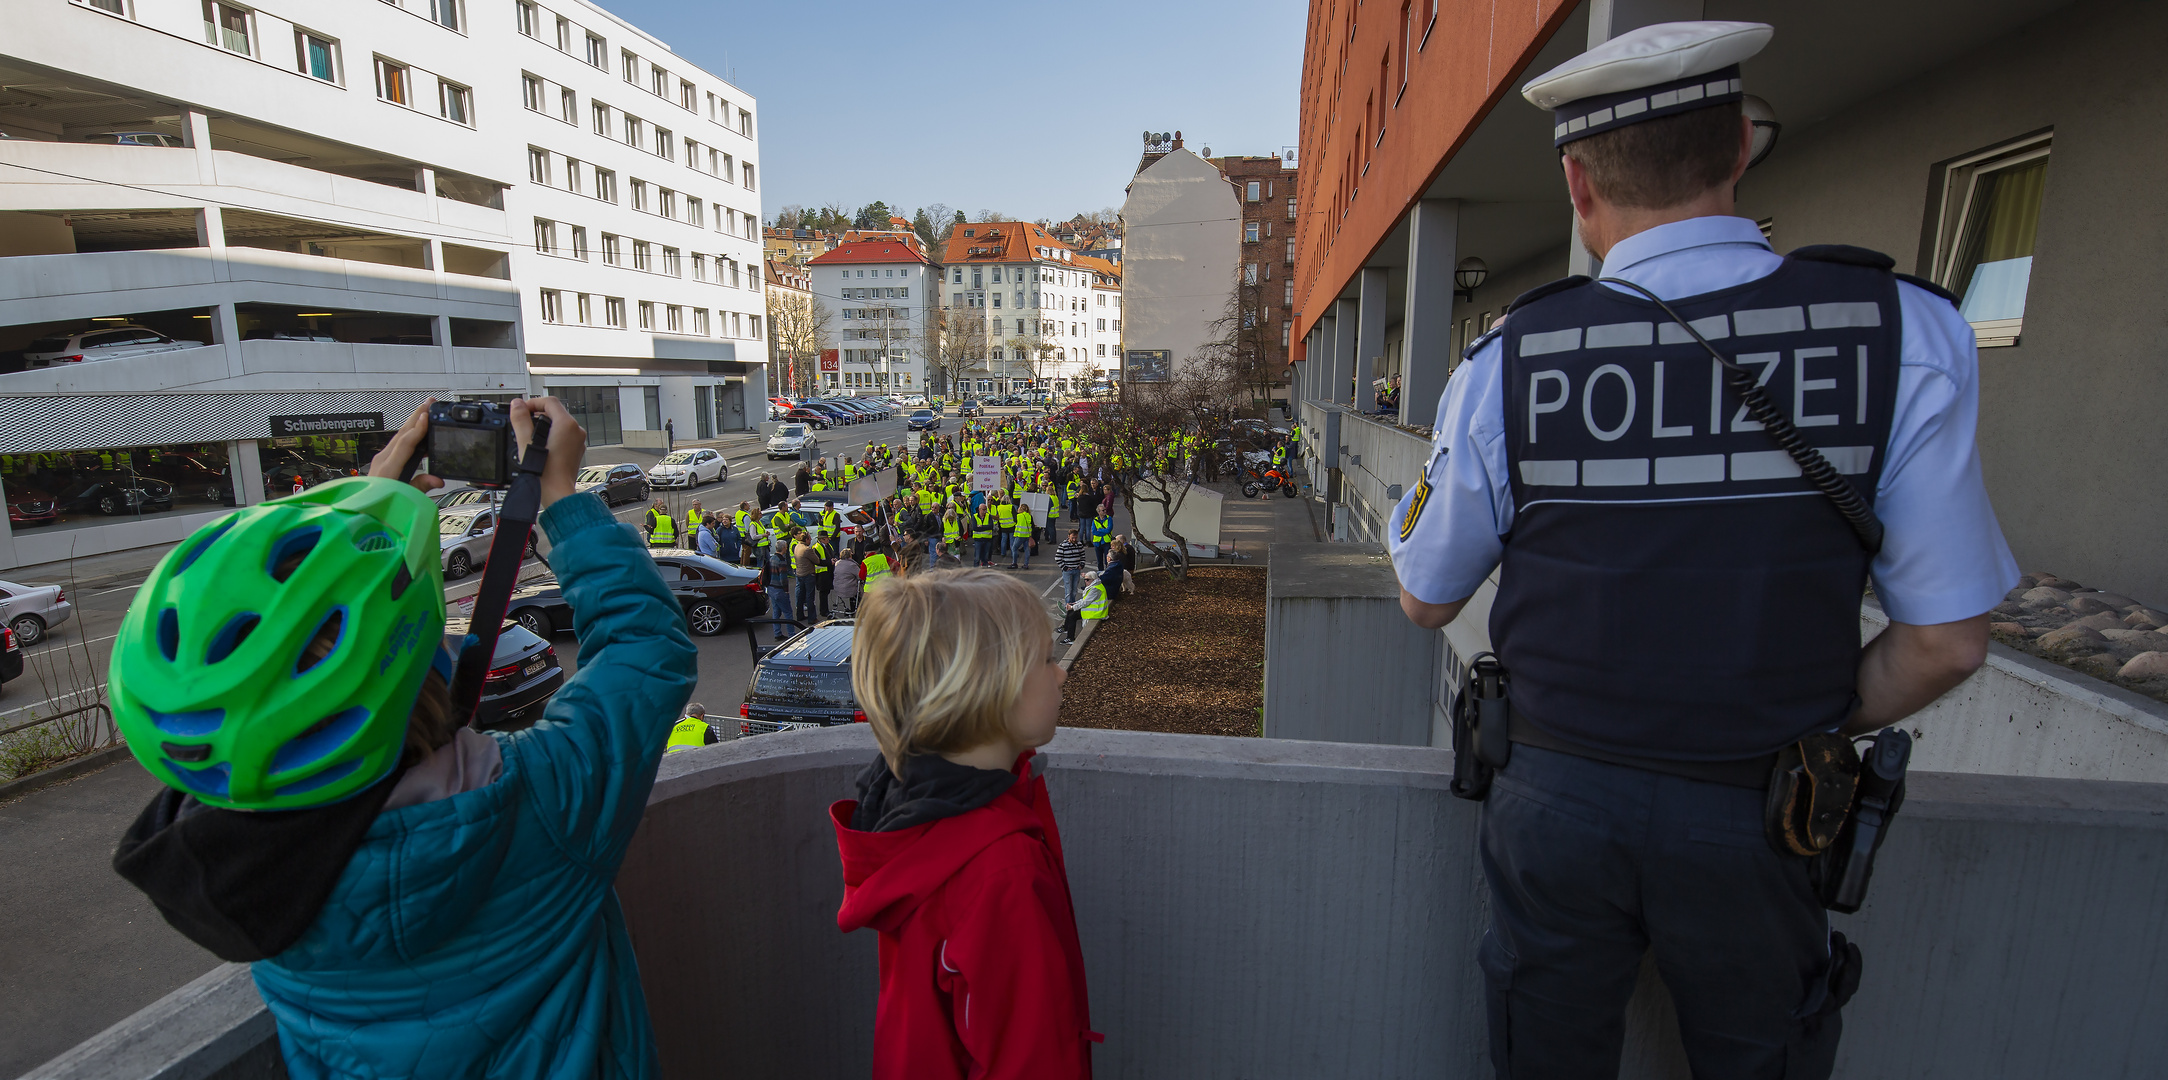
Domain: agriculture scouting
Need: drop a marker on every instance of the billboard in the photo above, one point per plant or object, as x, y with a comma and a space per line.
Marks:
1147, 365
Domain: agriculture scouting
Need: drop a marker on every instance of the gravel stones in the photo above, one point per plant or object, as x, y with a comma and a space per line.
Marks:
2107, 635
2141, 617
2046, 596
2145, 665
2073, 640
2105, 620
2089, 604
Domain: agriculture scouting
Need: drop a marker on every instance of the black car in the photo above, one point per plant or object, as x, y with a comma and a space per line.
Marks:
115, 493
615, 483
714, 593
523, 673
11, 655
923, 420
804, 682
970, 407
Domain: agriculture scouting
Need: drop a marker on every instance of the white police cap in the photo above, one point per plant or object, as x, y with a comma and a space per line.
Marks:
1644, 74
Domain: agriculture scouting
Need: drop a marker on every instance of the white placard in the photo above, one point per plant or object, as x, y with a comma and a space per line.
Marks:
986, 474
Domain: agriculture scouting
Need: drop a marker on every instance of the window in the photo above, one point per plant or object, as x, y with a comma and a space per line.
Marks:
1249, 232
391, 81
586, 314
959, 279
455, 102
695, 215
700, 267
568, 105
729, 171
658, 80
545, 236
530, 91
1288, 298
666, 202
445, 12
749, 183
692, 154
613, 311
635, 131
1290, 251
631, 64
673, 319
737, 324
1253, 191
598, 55
647, 314
226, 26
1991, 204
748, 219
564, 34
700, 321
606, 185
1286, 333
553, 306
745, 126
665, 144
538, 165
688, 97
602, 118
1102, 325
670, 262
529, 18
315, 56
1290, 208
639, 194
643, 257
612, 255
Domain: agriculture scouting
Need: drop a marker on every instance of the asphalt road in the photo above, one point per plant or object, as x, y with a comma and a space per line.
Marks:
83, 949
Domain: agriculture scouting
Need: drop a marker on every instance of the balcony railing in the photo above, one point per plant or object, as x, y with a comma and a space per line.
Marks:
1269, 909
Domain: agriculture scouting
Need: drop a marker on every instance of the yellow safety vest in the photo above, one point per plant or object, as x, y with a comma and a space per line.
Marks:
1005, 513
830, 520
952, 530
661, 529
982, 526
687, 734
1023, 521
876, 570
1096, 601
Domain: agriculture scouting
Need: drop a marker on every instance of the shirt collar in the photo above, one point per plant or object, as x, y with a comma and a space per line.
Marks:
1678, 236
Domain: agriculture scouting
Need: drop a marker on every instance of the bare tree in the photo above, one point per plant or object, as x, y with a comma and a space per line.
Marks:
888, 327
1240, 351
963, 345
1157, 447
799, 328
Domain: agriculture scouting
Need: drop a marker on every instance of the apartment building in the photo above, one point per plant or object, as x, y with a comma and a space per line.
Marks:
1265, 288
1024, 310
642, 284
794, 329
797, 246
1182, 231
883, 294
237, 244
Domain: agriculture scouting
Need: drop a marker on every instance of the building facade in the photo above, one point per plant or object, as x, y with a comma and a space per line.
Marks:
1265, 289
642, 286
883, 294
1182, 232
1974, 147
796, 330
1022, 310
797, 246
203, 301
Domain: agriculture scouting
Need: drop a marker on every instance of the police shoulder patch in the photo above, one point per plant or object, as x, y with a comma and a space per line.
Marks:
1420, 497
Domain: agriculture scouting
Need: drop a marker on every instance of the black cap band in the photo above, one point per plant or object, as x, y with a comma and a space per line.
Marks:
1595, 115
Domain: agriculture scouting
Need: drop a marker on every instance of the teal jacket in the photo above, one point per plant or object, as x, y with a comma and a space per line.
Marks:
479, 935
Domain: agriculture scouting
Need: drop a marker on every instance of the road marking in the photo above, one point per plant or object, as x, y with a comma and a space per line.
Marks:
48, 701
116, 588
44, 647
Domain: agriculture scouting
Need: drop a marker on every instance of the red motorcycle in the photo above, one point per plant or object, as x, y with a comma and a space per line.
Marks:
1266, 482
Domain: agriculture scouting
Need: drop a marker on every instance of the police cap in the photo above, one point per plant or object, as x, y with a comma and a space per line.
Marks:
1643, 74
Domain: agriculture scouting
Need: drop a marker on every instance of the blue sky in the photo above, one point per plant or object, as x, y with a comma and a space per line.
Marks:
1030, 109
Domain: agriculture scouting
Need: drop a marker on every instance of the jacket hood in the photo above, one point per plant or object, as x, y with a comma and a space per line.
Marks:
887, 875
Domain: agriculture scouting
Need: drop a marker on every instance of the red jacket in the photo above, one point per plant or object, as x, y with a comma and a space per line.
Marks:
981, 973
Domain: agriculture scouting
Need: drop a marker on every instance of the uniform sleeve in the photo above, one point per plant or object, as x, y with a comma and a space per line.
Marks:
1013, 997
1943, 555
1446, 535
591, 762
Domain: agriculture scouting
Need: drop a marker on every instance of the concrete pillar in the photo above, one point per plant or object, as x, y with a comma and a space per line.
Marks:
196, 132
1608, 19
425, 180
1370, 336
245, 466
1426, 328
1341, 391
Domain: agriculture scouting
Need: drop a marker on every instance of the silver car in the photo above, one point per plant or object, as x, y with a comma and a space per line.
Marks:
33, 610
104, 343
792, 440
689, 469
465, 534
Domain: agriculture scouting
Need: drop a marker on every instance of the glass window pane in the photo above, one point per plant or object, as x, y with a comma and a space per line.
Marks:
1995, 264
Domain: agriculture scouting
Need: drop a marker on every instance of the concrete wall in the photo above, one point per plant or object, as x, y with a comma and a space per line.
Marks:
1183, 228
2081, 393
1265, 909
1343, 663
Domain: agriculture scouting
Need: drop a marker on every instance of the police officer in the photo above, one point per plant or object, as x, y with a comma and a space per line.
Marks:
693, 730
1589, 451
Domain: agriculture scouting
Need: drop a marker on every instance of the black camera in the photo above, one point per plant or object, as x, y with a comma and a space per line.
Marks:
473, 441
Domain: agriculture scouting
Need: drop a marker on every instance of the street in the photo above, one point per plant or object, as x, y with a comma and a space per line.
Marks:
84, 949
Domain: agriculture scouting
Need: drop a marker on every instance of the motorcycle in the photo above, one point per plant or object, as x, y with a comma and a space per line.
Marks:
1266, 482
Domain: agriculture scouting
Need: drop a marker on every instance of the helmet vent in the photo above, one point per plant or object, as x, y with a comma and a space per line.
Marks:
196, 550
322, 643
169, 634
231, 636
376, 541
178, 752
187, 724
291, 549
321, 740
401, 580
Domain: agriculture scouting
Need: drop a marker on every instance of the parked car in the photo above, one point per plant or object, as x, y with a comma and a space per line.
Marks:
923, 420
115, 493
136, 138
449, 498
714, 593
970, 407
793, 440
853, 517
11, 656
103, 343
32, 611
1083, 410
834, 411
803, 683
689, 469
465, 533
190, 473
818, 419
615, 483
523, 674
914, 401
29, 505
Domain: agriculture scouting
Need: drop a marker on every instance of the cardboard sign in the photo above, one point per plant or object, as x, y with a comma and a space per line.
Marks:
986, 474
912, 439
872, 487
1042, 506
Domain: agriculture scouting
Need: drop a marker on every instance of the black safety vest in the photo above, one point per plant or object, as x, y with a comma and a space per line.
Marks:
1672, 587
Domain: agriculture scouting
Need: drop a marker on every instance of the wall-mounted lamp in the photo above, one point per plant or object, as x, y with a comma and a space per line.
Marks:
1468, 276
1766, 127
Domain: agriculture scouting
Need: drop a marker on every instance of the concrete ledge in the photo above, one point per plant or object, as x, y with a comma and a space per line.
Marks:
215, 1028
90, 762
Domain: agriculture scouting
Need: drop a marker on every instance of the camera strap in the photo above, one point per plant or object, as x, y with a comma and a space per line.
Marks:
515, 522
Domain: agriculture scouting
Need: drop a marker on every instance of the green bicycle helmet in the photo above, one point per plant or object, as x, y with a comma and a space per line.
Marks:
212, 680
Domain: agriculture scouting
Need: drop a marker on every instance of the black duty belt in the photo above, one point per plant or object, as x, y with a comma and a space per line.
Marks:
1748, 773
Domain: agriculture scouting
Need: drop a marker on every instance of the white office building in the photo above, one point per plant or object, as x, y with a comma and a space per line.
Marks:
239, 243
639, 178
882, 291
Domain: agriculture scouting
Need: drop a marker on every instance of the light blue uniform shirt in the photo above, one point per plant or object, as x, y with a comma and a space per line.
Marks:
1943, 557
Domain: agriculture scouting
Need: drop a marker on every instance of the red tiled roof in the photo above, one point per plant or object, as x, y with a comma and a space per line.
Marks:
869, 251
999, 241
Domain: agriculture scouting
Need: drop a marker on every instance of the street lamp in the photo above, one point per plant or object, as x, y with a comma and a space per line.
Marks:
1468, 276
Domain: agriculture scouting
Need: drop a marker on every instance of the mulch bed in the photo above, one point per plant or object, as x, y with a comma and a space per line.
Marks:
1177, 656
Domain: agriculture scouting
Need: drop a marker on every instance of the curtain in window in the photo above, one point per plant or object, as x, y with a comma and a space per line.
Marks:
1996, 265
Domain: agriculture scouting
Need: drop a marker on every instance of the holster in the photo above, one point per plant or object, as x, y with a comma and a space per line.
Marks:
1834, 808
1482, 718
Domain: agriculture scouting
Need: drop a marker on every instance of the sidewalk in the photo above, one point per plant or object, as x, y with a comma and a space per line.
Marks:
1249, 527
